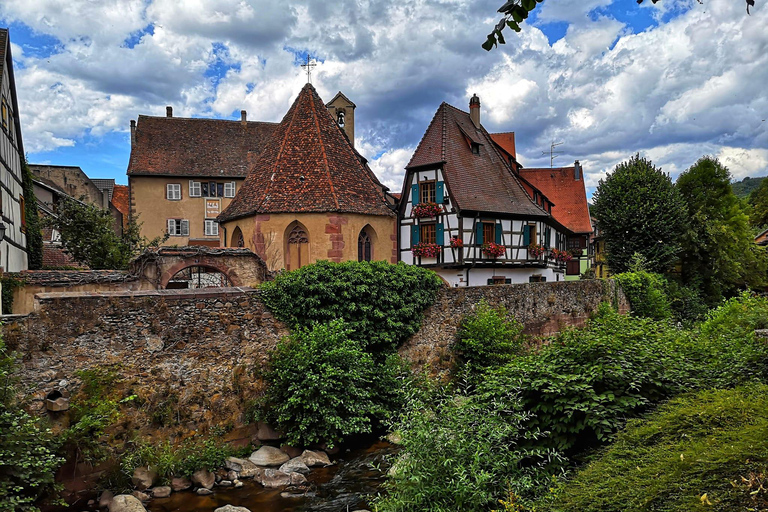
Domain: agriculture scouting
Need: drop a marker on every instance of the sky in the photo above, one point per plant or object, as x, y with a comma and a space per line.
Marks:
606, 78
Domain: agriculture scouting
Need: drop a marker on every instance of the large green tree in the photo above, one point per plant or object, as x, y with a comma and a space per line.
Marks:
719, 254
88, 235
758, 200
640, 211
34, 235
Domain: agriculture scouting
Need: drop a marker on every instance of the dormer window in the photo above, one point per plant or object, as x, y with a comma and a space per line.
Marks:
475, 148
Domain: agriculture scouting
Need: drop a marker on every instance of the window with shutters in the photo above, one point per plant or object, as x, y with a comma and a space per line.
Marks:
428, 233
489, 232
533, 234
178, 227
427, 192
211, 228
229, 189
195, 190
173, 191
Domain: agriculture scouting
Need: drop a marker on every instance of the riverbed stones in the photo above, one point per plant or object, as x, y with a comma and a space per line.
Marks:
161, 492
269, 456
203, 478
231, 508
142, 496
180, 483
225, 483
314, 458
126, 503
244, 467
106, 498
203, 491
275, 478
144, 478
297, 479
295, 466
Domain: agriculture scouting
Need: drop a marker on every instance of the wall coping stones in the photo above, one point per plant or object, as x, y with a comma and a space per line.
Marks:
182, 294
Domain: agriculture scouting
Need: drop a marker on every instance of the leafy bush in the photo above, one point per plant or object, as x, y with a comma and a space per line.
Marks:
738, 317
460, 452
28, 461
323, 386
487, 339
646, 293
381, 303
698, 452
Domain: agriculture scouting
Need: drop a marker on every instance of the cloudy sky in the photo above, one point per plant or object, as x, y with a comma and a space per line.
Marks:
607, 78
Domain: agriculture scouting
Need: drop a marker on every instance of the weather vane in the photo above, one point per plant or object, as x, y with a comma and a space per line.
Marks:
308, 66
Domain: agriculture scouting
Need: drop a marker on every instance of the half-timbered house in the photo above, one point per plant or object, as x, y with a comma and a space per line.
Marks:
467, 214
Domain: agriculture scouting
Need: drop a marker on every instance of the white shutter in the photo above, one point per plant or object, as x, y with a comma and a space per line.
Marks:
169, 192
171, 227
229, 189
184, 227
194, 189
214, 228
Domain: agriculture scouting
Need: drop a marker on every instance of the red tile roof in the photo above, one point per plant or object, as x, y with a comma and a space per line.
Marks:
567, 193
120, 201
308, 166
174, 146
481, 182
507, 142
54, 256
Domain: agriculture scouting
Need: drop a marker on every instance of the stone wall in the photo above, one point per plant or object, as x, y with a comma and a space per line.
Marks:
543, 308
196, 354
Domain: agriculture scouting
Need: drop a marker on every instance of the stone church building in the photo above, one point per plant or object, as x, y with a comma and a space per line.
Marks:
309, 195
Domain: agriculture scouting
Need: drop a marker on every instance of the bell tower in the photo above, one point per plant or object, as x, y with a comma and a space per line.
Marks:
343, 112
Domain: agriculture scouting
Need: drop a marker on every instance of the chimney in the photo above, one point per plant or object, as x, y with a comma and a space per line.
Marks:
168, 111
576, 170
133, 132
243, 118
474, 110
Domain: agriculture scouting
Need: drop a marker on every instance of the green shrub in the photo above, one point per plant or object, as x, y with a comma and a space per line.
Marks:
462, 452
687, 304
381, 303
698, 452
487, 339
647, 294
323, 386
737, 317
28, 461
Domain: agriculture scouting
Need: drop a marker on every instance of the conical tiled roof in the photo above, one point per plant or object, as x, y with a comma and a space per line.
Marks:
308, 166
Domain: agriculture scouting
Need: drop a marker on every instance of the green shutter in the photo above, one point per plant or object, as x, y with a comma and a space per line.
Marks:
439, 192
498, 232
414, 235
526, 235
415, 194
479, 233
439, 234
547, 235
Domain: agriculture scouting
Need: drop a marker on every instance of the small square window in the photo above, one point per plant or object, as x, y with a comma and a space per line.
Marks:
178, 227
173, 191
428, 234
195, 190
229, 189
211, 228
427, 192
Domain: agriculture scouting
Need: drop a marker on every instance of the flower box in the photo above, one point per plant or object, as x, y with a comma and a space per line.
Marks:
427, 210
535, 251
456, 242
426, 250
493, 249
561, 256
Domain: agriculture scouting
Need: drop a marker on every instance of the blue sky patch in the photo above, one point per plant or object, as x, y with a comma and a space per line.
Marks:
33, 44
135, 37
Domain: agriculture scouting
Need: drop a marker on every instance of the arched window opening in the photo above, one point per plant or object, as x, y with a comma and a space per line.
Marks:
238, 240
297, 254
364, 251
340, 118
198, 277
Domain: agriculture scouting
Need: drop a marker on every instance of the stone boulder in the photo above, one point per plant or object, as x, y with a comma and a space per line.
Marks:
231, 508
106, 498
161, 492
126, 503
295, 466
144, 478
203, 478
298, 479
141, 496
275, 478
180, 483
315, 458
269, 456
203, 491
244, 467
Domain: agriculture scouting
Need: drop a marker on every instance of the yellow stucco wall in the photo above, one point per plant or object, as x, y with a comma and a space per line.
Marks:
266, 235
149, 202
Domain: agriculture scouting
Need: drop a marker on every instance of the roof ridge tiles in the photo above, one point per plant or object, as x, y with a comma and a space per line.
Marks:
325, 155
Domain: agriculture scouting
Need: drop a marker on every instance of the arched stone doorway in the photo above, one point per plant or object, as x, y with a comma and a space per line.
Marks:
237, 238
296, 246
198, 276
366, 240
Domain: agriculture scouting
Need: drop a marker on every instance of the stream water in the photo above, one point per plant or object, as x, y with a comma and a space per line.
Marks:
342, 487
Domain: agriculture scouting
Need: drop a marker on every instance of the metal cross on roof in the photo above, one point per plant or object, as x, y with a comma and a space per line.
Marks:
308, 66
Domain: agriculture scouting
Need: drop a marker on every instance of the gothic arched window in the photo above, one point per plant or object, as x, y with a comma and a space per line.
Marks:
363, 246
297, 254
340, 118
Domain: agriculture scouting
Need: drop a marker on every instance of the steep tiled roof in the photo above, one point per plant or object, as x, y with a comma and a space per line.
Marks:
54, 256
507, 142
309, 166
120, 201
480, 182
195, 147
567, 193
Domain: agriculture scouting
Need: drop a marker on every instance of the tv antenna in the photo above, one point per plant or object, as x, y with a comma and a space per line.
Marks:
552, 153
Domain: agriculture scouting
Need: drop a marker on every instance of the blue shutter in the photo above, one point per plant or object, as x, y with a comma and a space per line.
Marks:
439, 192
526, 235
479, 233
439, 236
415, 194
498, 233
414, 235
547, 234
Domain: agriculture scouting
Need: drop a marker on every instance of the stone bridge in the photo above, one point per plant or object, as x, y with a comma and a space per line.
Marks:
242, 267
